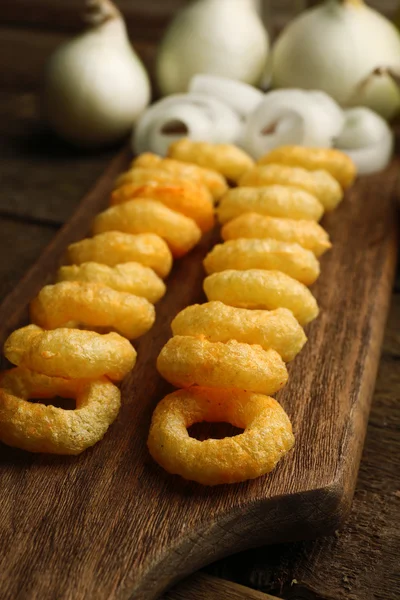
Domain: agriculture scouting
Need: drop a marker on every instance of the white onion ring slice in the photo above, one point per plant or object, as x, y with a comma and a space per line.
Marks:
241, 97
206, 119
308, 120
367, 139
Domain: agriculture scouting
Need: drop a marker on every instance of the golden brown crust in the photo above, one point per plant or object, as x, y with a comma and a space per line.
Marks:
39, 428
267, 435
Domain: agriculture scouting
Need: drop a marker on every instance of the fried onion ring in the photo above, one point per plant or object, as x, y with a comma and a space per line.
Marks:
94, 305
114, 247
226, 159
148, 216
337, 163
319, 183
308, 234
39, 428
130, 277
217, 322
267, 435
70, 353
243, 254
184, 197
139, 176
261, 289
215, 182
273, 200
185, 361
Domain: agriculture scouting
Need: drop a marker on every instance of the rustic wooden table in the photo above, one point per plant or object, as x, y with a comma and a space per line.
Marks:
42, 182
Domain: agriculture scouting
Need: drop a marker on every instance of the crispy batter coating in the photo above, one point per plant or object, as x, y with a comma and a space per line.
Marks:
243, 254
185, 361
92, 305
227, 159
267, 435
259, 289
308, 234
130, 277
277, 329
319, 183
274, 201
185, 197
39, 428
70, 353
337, 163
139, 176
214, 181
149, 216
114, 247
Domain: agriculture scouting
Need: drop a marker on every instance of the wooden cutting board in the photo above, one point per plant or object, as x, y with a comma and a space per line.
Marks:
110, 524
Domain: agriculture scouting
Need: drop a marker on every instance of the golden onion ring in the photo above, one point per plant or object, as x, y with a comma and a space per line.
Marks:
267, 435
261, 289
337, 163
217, 322
184, 197
39, 428
228, 160
269, 254
308, 234
70, 353
92, 305
215, 182
320, 184
114, 247
148, 216
139, 176
131, 277
274, 201
185, 361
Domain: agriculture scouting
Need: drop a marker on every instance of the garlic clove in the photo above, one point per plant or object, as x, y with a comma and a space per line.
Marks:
379, 91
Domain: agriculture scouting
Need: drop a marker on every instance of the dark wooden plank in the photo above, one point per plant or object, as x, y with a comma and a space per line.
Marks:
24, 52
145, 20
205, 587
156, 528
360, 562
41, 178
20, 245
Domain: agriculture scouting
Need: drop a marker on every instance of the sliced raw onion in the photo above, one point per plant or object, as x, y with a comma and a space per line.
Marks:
196, 116
292, 117
367, 139
242, 97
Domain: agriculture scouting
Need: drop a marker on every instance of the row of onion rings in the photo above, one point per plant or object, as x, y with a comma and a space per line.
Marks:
78, 344
229, 353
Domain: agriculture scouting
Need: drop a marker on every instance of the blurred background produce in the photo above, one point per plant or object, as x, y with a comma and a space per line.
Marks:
226, 37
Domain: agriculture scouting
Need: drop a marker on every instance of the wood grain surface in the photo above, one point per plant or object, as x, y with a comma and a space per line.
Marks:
121, 527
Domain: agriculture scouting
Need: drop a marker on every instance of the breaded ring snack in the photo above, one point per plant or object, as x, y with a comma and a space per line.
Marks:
308, 234
217, 322
261, 289
70, 353
114, 247
337, 163
185, 361
92, 305
39, 428
267, 435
